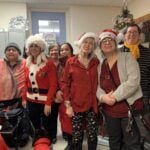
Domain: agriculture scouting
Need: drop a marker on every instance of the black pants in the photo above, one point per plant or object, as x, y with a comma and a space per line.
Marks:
53, 120
38, 118
119, 139
91, 125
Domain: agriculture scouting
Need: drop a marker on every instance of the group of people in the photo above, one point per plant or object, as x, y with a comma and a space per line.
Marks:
73, 86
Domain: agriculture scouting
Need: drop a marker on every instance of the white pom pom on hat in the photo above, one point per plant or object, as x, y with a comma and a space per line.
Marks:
36, 39
108, 33
86, 35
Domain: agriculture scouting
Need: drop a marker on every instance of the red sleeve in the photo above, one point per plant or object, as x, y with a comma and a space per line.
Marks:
66, 81
52, 79
24, 93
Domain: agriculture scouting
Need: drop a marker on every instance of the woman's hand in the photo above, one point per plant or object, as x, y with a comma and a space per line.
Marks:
59, 96
69, 111
109, 99
24, 104
47, 110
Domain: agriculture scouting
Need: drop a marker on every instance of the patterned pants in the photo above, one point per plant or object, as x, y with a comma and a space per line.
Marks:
82, 120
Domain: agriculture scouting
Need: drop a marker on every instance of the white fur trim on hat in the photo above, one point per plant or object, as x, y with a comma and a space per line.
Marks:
36, 39
108, 33
86, 35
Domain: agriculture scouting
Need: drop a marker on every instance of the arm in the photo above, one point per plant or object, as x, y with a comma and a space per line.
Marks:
24, 92
66, 85
52, 79
66, 82
132, 83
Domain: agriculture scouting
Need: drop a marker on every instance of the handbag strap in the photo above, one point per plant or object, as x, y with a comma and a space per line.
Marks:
131, 117
131, 114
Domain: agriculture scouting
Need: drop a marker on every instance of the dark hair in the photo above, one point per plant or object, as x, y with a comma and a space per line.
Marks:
132, 25
69, 45
24, 53
52, 46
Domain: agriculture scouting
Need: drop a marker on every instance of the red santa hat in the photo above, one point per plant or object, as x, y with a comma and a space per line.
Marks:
108, 33
86, 35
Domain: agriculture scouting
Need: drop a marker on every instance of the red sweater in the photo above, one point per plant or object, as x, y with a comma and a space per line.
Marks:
41, 83
79, 84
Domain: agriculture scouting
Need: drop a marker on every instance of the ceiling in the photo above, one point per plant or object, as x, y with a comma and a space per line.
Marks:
67, 3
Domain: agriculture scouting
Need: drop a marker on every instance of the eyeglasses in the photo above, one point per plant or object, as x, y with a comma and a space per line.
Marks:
107, 40
132, 32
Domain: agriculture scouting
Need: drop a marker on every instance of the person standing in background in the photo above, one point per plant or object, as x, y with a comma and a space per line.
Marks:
66, 51
79, 84
119, 81
132, 44
40, 85
141, 54
53, 52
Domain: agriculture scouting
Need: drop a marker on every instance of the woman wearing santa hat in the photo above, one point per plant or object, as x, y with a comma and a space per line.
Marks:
119, 85
79, 85
41, 84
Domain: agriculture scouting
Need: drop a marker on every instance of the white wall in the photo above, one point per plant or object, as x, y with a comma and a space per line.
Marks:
139, 7
79, 19
90, 18
10, 10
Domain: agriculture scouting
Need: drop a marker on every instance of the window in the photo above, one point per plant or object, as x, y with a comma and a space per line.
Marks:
46, 26
51, 24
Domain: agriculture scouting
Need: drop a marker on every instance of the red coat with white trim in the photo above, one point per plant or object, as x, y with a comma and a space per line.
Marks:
41, 83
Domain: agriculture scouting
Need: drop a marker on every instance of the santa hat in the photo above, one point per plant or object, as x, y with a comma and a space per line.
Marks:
86, 35
108, 33
36, 39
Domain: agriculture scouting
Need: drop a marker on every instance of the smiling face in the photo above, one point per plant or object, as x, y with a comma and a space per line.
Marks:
108, 45
88, 45
132, 35
65, 50
12, 54
54, 52
35, 50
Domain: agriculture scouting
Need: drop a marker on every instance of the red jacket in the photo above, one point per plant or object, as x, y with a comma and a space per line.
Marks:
79, 84
41, 83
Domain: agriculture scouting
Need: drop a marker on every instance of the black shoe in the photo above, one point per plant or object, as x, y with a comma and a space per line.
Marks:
24, 140
54, 140
65, 136
68, 147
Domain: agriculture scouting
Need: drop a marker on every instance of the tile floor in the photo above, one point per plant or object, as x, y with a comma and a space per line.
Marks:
61, 144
